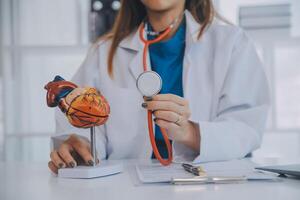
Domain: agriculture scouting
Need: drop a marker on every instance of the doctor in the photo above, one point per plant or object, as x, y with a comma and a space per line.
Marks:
214, 99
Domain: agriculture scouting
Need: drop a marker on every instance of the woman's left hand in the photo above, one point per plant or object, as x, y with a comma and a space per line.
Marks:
172, 113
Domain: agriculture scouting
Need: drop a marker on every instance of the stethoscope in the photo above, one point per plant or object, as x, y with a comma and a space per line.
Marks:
149, 83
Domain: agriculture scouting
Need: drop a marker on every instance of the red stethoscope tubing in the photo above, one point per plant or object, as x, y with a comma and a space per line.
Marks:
167, 161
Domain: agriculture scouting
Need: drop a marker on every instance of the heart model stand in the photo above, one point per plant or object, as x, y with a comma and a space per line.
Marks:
82, 112
97, 170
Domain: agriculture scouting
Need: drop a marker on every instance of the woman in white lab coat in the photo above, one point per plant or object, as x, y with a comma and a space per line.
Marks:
220, 113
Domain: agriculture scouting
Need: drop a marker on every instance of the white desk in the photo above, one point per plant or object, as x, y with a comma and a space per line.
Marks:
33, 181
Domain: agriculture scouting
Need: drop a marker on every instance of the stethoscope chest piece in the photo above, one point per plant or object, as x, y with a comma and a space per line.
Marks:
149, 83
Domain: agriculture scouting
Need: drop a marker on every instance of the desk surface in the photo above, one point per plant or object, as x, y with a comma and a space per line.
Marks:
19, 180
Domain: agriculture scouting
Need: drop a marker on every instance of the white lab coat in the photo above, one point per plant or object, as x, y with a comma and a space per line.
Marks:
223, 80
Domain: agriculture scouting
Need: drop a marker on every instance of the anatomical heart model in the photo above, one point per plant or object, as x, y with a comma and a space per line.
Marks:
84, 107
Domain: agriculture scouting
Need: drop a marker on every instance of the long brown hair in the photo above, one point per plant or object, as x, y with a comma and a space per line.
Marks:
133, 12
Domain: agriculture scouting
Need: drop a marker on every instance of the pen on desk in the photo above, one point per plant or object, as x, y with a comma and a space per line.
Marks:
190, 169
197, 171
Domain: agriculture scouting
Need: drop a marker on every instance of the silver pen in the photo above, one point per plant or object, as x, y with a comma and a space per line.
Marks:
208, 180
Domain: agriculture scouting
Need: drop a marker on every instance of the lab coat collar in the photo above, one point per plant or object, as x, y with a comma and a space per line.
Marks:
134, 43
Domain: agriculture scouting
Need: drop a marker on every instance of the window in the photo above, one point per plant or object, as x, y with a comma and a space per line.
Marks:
41, 38
280, 52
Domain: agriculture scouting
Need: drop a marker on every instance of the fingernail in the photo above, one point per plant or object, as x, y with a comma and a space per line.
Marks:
91, 163
72, 164
144, 105
148, 98
60, 165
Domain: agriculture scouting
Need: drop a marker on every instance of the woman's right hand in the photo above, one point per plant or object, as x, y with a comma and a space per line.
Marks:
72, 152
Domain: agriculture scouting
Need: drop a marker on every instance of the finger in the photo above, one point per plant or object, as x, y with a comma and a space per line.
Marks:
65, 153
147, 98
166, 124
169, 126
84, 151
170, 97
55, 158
52, 167
167, 115
164, 105
78, 158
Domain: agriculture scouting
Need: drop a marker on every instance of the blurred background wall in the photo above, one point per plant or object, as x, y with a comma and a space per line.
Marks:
42, 38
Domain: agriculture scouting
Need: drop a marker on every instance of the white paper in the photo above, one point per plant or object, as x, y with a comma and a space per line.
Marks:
155, 173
